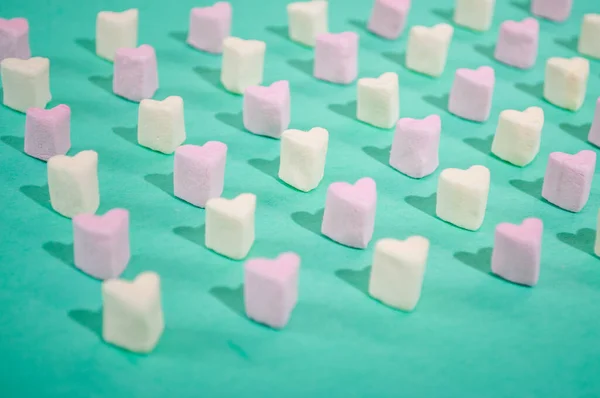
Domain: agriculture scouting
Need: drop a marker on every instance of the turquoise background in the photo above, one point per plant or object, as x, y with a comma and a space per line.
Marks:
472, 334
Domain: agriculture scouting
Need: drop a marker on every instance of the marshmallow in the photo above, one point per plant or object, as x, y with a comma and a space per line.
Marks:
471, 93
588, 39
199, 172
555, 10
518, 135
26, 83
378, 100
306, 21
102, 243
243, 64
14, 38
132, 316
266, 110
209, 26
336, 57
517, 251
565, 83
73, 183
48, 132
388, 18
474, 14
415, 146
271, 289
594, 134
302, 158
427, 49
230, 225
115, 30
462, 196
597, 242
135, 73
161, 126
349, 216
518, 43
568, 179
397, 271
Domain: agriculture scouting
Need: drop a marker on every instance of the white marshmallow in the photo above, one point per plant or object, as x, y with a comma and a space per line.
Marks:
427, 48
132, 316
518, 135
378, 100
302, 158
462, 196
589, 39
474, 14
230, 225
307, 20
115, 30
565, 83
243, 63
161, 124
26, 83
597, 243
73, 183
397, 271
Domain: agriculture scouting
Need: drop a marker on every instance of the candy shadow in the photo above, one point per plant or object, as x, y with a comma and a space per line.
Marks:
60, 251
179, 35
129, 134
268, 167
535, 90
483, 145
281, 31
480, 261
17, 143
531, 188
164, 182
446, 14
235, 120
358, 279
440, 102
309, 221
348, 109
570, 43
209, 75
304, 66
87, 44
382, 155
91, 320
486, 51
103, 82
426, 204
195, 235
398, 58
579, 132
583, 240
360, 24
233, 298
39, 194
524, 6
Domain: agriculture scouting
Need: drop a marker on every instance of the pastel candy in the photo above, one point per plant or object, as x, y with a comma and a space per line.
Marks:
427, 49
26, 83
209, 26
14, 38
388, 18
199, 172
415, 146
518, 43
336, 57
518, 135
378, 100
242, 64
555, 10
307, 20
302, 157
48, 132
474, 14
161, 125
568, 179
349, 216
271, 289
267, 109
565, 83
135, 73
471, 93
594, 134
588, 38
101, 243
115, 30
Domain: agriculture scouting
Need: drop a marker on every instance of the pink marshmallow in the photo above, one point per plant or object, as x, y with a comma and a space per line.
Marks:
267, 109
135, 73
555, 10
416, 145
102, 243
471, 94
389, 17
594, 135
517, 251
48, 132
518, 43
209, 26
568, 179
199, 172
336, 57
14, 38
271, 289
349, 216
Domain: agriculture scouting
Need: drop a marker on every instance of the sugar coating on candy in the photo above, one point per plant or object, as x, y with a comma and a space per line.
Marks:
336, 57
588, 38
474, 14
302, 157
555, 10
161, 125
135, 73
132, 315
388, 18
427, 49
115, 30
266, 110
48, 132
565, 83
14, 38
101, 243
243, 63
568, 179
594, 134
26, 83
307, 20
471, 93
199, 172
518, 135
378, 100
349, 216
209, 26
518, 43
415, 146
271, 289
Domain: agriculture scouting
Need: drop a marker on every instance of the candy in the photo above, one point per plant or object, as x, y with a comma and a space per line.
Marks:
588, 39
209, 26
556, 10
267, 109
565, 83
518, 135
427, 49
594, 134
471, 93
243, 63
48, 132
416, 145
474, 14
14, 38
161, 125
388, 18
135, 73
26, 83
518, 43
336, 57
302, 158
378, 100
307, 20
115, 30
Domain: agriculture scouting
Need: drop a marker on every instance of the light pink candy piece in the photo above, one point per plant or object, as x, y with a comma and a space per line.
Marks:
416, 145
199, 172
555, 10
14, 38
594, 135
518, 43
336, 57
271, 289
209, 26
568, 179
267, 109
471, 94
389, 17
349, 216
517, 251
48, 132
102, 243
135, 73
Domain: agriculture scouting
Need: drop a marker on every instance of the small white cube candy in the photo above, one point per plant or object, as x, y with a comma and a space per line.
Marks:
378, 100
161, 125
302, 158
132, 315
565, 83
427, 49
115, 30
26, 83
73, 183
243, 64
589, 39
518, 135
307, 20
474, 14
230, 225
